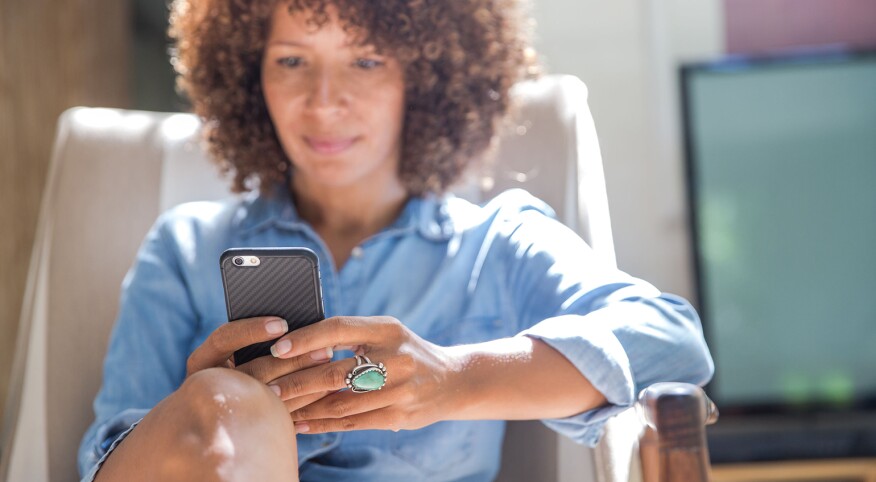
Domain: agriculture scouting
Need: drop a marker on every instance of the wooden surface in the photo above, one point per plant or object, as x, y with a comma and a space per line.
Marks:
679, 414
53, 55
852, 470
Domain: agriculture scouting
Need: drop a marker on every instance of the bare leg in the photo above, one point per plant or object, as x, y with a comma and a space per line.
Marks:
221, 425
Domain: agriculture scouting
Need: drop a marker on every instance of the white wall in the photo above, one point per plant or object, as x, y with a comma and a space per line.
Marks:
627, 52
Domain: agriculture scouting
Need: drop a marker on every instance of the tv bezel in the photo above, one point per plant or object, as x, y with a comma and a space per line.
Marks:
865, 403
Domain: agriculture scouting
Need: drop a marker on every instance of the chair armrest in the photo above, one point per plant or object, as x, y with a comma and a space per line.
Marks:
679, 413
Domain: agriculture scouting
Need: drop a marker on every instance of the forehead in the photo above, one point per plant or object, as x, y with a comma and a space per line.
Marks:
292, 23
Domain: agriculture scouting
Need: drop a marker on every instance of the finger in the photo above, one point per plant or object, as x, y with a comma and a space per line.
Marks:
352, 348
268, 368
345, 403
298, 402
383, 419
230, 337
339, 330
324, 378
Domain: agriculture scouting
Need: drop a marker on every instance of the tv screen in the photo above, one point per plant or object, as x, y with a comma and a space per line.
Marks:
781, 157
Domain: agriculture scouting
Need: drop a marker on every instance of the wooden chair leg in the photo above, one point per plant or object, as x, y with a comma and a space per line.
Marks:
649, 452
679, 413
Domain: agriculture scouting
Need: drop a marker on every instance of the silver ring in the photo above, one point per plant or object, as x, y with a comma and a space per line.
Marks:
366, 376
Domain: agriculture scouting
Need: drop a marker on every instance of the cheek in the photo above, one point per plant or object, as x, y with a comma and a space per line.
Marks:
272, 101
283, 106
389, 109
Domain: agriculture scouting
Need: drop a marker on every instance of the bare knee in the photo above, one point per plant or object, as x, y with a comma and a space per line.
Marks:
222, 394
225, 425
220, 425
227, 414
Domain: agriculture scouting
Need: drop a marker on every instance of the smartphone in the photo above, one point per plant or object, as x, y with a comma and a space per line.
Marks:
282, 282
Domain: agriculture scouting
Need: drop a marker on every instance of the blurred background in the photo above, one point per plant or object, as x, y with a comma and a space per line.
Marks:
55, 55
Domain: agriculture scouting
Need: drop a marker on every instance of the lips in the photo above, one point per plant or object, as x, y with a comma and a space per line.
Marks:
329, 146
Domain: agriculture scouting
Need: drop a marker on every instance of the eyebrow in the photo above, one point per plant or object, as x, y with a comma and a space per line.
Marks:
370, 49
290, 43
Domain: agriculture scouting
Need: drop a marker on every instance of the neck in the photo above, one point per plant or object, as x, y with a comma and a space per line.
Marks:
356, 211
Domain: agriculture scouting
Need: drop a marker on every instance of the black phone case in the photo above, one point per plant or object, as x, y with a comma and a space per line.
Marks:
286, 283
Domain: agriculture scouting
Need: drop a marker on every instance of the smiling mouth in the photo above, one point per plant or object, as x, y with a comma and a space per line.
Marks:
328, 146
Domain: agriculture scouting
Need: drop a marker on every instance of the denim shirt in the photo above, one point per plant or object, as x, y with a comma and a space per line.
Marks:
451, 271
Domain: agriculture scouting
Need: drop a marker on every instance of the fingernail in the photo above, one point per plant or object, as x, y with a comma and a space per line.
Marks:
277, 326
281, 348
302, 427
275, 389
324, 354
343, 347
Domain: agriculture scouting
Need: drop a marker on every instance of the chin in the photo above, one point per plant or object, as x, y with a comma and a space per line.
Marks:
333, 177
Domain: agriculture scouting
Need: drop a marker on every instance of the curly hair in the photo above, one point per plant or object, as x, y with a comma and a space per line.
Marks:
460, 59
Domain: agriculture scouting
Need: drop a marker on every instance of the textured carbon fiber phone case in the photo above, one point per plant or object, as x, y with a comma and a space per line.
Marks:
285, 283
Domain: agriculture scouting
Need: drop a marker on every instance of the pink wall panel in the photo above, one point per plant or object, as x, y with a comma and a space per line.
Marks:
756, 26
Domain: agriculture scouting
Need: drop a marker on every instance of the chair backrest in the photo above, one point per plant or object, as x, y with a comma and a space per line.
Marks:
114, 171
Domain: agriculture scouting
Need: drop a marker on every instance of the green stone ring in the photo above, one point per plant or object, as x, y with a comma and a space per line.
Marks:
367, 376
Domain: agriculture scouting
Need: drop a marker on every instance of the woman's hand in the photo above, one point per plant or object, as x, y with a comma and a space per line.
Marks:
421, 386
218, 348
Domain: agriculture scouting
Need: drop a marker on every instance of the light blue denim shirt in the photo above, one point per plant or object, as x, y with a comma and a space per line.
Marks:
453, 272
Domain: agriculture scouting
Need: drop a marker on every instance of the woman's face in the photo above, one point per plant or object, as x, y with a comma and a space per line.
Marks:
337, 107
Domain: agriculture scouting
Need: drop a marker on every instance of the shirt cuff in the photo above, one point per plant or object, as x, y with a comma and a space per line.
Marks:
597, 353
106, 437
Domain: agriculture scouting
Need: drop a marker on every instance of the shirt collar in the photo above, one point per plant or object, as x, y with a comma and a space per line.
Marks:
428, 215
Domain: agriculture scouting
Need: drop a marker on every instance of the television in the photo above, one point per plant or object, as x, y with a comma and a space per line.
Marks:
781, 178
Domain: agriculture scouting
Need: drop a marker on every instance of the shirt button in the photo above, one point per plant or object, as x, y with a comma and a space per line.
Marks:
357, 252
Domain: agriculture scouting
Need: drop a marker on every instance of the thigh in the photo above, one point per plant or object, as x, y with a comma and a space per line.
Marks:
220, 425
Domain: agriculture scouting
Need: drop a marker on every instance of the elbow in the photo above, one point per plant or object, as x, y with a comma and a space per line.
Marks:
695, 360
698, 359
704, 366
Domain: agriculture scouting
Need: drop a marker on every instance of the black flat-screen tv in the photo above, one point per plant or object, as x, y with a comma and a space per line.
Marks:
781, 171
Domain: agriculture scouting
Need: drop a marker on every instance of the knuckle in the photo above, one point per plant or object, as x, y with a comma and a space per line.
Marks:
256, 369
406, 394
335, 378
395, 327
404, 364
408, 420
293, 386
297, 363
338, 407
303, 413
253, 332
218, 340
393, 321
347, 423
341, 324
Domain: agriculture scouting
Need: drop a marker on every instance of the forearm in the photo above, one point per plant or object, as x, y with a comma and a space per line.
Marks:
517, 378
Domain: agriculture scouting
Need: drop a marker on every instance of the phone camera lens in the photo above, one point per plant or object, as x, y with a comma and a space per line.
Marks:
238, 261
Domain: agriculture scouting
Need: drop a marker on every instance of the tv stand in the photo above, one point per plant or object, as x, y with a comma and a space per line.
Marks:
774, 438
840, 470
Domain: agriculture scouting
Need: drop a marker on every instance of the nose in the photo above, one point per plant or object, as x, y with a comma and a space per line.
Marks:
328, 96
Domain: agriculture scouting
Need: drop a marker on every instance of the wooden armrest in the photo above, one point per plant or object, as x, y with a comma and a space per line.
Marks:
679, 413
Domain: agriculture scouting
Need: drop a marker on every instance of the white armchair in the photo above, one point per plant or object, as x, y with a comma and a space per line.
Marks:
114, 171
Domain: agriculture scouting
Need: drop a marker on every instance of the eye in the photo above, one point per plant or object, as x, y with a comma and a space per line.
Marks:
290, 62
368, 64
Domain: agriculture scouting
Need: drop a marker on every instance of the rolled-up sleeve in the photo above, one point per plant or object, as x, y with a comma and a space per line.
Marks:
620, 332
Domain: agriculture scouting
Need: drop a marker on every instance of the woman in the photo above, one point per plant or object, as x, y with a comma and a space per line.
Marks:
348, 120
